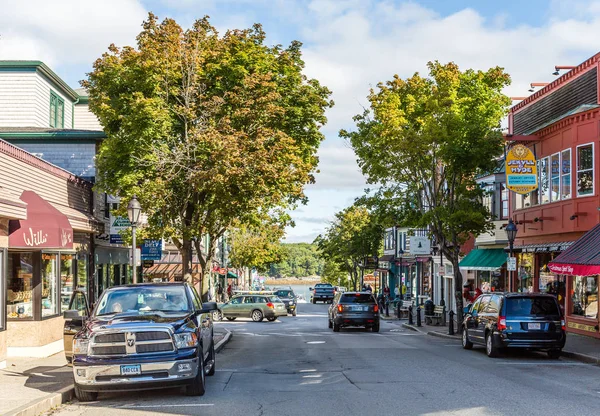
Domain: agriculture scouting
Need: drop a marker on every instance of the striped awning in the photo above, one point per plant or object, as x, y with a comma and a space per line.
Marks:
582, 258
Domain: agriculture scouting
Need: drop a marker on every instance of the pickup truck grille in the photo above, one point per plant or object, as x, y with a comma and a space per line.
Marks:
131, 342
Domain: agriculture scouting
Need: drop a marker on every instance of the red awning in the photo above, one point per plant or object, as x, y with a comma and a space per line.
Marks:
582, 258
45, 226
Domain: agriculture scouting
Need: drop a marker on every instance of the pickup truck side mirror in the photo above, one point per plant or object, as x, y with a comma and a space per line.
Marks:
73, 315
208, 307
310, 288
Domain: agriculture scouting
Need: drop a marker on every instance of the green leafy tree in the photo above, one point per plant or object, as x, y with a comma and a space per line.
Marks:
256, 246
354, 234
298, 260
208, 131
424, 140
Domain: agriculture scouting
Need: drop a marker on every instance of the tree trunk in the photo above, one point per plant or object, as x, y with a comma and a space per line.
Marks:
458, 286
186, 259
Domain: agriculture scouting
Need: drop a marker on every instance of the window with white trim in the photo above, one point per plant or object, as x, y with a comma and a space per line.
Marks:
565, 174
555, 177
544, 180
585, 170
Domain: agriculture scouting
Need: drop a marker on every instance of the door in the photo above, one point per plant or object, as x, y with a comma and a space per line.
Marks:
231, 308
490, 313
74, 321
477, 333
203, 323
247, 306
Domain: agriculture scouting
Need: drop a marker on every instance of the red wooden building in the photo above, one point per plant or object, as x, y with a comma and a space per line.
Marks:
561, 124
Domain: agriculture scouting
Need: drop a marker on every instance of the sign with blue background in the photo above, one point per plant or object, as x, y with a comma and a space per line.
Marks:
152, 250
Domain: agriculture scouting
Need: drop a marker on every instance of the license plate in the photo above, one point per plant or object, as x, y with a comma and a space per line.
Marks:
534, 326
131, 370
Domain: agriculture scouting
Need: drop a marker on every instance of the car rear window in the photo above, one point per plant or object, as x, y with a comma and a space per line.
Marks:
284, 293
323, 285
357, 298
535, 306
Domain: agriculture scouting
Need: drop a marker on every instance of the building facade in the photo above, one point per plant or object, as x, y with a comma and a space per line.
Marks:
561, 125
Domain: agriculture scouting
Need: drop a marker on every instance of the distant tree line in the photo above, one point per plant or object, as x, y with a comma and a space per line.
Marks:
297, 260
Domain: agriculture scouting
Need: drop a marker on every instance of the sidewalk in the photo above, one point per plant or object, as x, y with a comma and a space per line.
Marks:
30, 386
578, 347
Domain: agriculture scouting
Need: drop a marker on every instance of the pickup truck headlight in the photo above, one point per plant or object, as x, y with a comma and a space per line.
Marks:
186, 340
80, 346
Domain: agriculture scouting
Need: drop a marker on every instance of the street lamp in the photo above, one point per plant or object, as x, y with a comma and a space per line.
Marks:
511, 234
133, 212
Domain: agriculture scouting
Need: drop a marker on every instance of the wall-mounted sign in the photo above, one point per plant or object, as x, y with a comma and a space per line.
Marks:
152, 250
582, 327
521, 170
370, 262
118, 224
419, 245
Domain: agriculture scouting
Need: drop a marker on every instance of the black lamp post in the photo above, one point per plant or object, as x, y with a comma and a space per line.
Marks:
511, 234
133, 212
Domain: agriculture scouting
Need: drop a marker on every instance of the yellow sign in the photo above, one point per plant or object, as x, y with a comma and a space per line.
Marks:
581, 327
521, 170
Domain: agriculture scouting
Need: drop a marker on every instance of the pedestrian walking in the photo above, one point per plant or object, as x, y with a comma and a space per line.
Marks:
386, 291
219, 293
403, 291
229, 291
396, 292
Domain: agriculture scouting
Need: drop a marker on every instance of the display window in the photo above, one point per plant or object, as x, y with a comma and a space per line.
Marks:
49, 284
19, 286
67, 280
584, 296
525, 273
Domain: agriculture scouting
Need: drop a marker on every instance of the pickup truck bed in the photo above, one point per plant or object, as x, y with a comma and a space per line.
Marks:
323, 293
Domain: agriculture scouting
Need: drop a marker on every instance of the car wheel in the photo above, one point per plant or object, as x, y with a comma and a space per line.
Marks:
257, 316
314, 302
212, 356
294, 313
330, 324
490, 349
85, 396
554, 354
217, 315
375, 327
271, 318
336, 327
231, 318
466, 344
198, 385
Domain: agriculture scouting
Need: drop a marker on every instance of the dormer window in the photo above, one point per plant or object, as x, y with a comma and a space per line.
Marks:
57, 111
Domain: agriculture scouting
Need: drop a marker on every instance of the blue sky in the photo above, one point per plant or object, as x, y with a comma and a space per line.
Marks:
349, 45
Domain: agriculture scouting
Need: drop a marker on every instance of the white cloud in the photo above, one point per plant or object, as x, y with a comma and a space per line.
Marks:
66, 32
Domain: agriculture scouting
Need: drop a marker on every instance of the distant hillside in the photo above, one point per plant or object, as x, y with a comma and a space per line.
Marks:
300, 260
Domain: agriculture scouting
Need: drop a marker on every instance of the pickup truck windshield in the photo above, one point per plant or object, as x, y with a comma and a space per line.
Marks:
144, 299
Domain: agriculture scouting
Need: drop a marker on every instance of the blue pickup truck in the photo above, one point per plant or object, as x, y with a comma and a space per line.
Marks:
323, 292
143, 336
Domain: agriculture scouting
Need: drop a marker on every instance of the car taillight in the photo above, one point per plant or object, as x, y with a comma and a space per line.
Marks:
375, 308
340, 308
501, 323
562, 325
270, 305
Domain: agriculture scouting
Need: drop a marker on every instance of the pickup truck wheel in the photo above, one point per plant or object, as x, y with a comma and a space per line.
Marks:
212, 357
330, 323
257, 315
336, 327
198, 385
217, 315
294, 313
85, 396
271, 319
314, 302
375, 328
231, 318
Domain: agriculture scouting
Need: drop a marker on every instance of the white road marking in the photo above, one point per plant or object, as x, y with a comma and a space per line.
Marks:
315, 342
569, 363
164, 405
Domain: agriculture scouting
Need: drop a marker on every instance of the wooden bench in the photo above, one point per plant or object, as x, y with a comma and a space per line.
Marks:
404, 308
437, 317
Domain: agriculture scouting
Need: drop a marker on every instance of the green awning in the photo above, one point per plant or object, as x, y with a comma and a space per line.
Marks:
231, 275
484, 259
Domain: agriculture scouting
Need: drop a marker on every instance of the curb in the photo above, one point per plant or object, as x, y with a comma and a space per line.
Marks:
581, 357
68, 393
221, 344
413, 328
44, 404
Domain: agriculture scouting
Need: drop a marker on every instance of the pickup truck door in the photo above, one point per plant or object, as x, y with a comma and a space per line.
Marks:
204, 324
78, 303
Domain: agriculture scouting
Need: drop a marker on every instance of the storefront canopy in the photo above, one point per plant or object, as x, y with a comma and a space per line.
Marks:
484, 259
582, 258
45, 226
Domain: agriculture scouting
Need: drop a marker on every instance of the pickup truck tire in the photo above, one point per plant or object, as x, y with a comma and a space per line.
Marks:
271, 319
257, 315
336, 327
217, 315
212, 357
294, 313
198, 385
330, 323
85, 396
375, 328
314, 302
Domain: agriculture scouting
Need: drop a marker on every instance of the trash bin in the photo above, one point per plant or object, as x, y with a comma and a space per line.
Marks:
428, 307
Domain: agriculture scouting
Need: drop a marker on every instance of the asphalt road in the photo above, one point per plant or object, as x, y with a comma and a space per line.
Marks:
297, 366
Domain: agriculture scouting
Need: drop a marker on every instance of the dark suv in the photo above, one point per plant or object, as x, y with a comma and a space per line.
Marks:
288, 297
354, 309
515, 320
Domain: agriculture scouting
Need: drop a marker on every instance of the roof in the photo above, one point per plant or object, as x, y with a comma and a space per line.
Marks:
484, 259
48, 133
43, 69
541, 247
580, 109
582, 258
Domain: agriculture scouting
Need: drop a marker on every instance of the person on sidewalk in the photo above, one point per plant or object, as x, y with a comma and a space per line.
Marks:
386, 292
219, 293
396, 292
403, 291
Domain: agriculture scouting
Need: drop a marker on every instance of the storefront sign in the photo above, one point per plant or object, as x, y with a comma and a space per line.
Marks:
370, 262
521, 170
384, 265
147, 263
581, 327
118, 225
152, 250
420, 245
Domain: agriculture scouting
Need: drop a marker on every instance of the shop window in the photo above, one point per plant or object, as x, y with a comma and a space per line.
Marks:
525, 273
585, 170
584, 299
67, 280
82, 272
565, 174
19, 285
544, 180
49, 285
555, 177
504, 201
